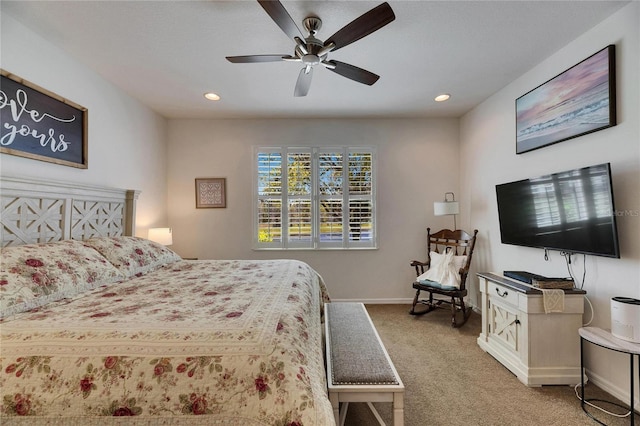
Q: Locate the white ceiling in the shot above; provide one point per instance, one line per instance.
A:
(168, 53)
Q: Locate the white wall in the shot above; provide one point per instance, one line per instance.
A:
(127, 141)
(487, 156)
(417, 163)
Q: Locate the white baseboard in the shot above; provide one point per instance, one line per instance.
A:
(399, 301)
(622, 394)
(377, 301)
(408, 301)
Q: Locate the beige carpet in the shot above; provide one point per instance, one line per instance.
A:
(449, 380)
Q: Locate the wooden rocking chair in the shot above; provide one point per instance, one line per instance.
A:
(442, 242)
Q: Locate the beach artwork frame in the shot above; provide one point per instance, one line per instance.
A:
(578, 101)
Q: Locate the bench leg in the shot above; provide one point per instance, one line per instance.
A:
(340, 411)
(398, 409)
(376, 414)
(343, 413)
(335, 404)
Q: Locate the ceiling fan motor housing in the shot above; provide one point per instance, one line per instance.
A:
(312, 24)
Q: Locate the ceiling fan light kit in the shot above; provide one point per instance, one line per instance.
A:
(311, 51)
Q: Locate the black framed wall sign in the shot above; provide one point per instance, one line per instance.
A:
(38, 124)
(578, 101)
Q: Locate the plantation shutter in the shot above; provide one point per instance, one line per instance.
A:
(299, 199)
(315, 198)
(268, 232)
(330, 198)
(361, 223)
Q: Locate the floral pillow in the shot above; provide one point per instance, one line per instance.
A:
(33, 275)
(133, 255)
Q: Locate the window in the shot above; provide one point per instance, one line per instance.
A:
(313, 198)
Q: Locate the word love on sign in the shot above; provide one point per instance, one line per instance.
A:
(41, 125)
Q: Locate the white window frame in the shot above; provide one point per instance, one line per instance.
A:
(284, 197)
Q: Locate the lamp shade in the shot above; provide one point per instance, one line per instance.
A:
(161, 236)
(443, 208)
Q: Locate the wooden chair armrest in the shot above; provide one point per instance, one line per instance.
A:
(420, 266)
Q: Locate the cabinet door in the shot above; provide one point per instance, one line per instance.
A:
(504, 325)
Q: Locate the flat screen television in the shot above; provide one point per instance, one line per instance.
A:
(570, 211)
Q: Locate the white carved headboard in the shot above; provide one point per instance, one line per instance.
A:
(38, 211)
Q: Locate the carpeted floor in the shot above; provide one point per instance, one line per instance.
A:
(449, 380)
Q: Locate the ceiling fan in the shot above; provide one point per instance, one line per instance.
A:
(310, 51)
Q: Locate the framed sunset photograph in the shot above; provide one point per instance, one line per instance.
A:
(578, 101)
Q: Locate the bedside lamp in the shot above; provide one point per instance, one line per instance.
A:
(447, 207)
(161, 236)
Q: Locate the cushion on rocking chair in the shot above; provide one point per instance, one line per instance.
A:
(444, 272)
(437, 285)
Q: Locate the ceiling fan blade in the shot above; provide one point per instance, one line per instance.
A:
(256, 58)
(353, 72)
(304, 82)
(281, 17)
(360, 27)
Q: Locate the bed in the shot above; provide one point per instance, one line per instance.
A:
(99, 324)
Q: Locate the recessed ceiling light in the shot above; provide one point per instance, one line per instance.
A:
(212, 96)
(442, 98)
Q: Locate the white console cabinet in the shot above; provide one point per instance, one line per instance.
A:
(539, 348)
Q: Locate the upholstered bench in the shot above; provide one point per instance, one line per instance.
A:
(358, 366)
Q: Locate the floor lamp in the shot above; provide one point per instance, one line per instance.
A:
(447, 207)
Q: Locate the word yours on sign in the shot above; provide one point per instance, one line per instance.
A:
(41, 125)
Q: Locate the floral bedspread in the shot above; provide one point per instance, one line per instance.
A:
(194, 342)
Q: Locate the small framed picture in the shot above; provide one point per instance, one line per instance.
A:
(211, 193)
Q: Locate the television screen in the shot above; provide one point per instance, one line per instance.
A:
(571, 211)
